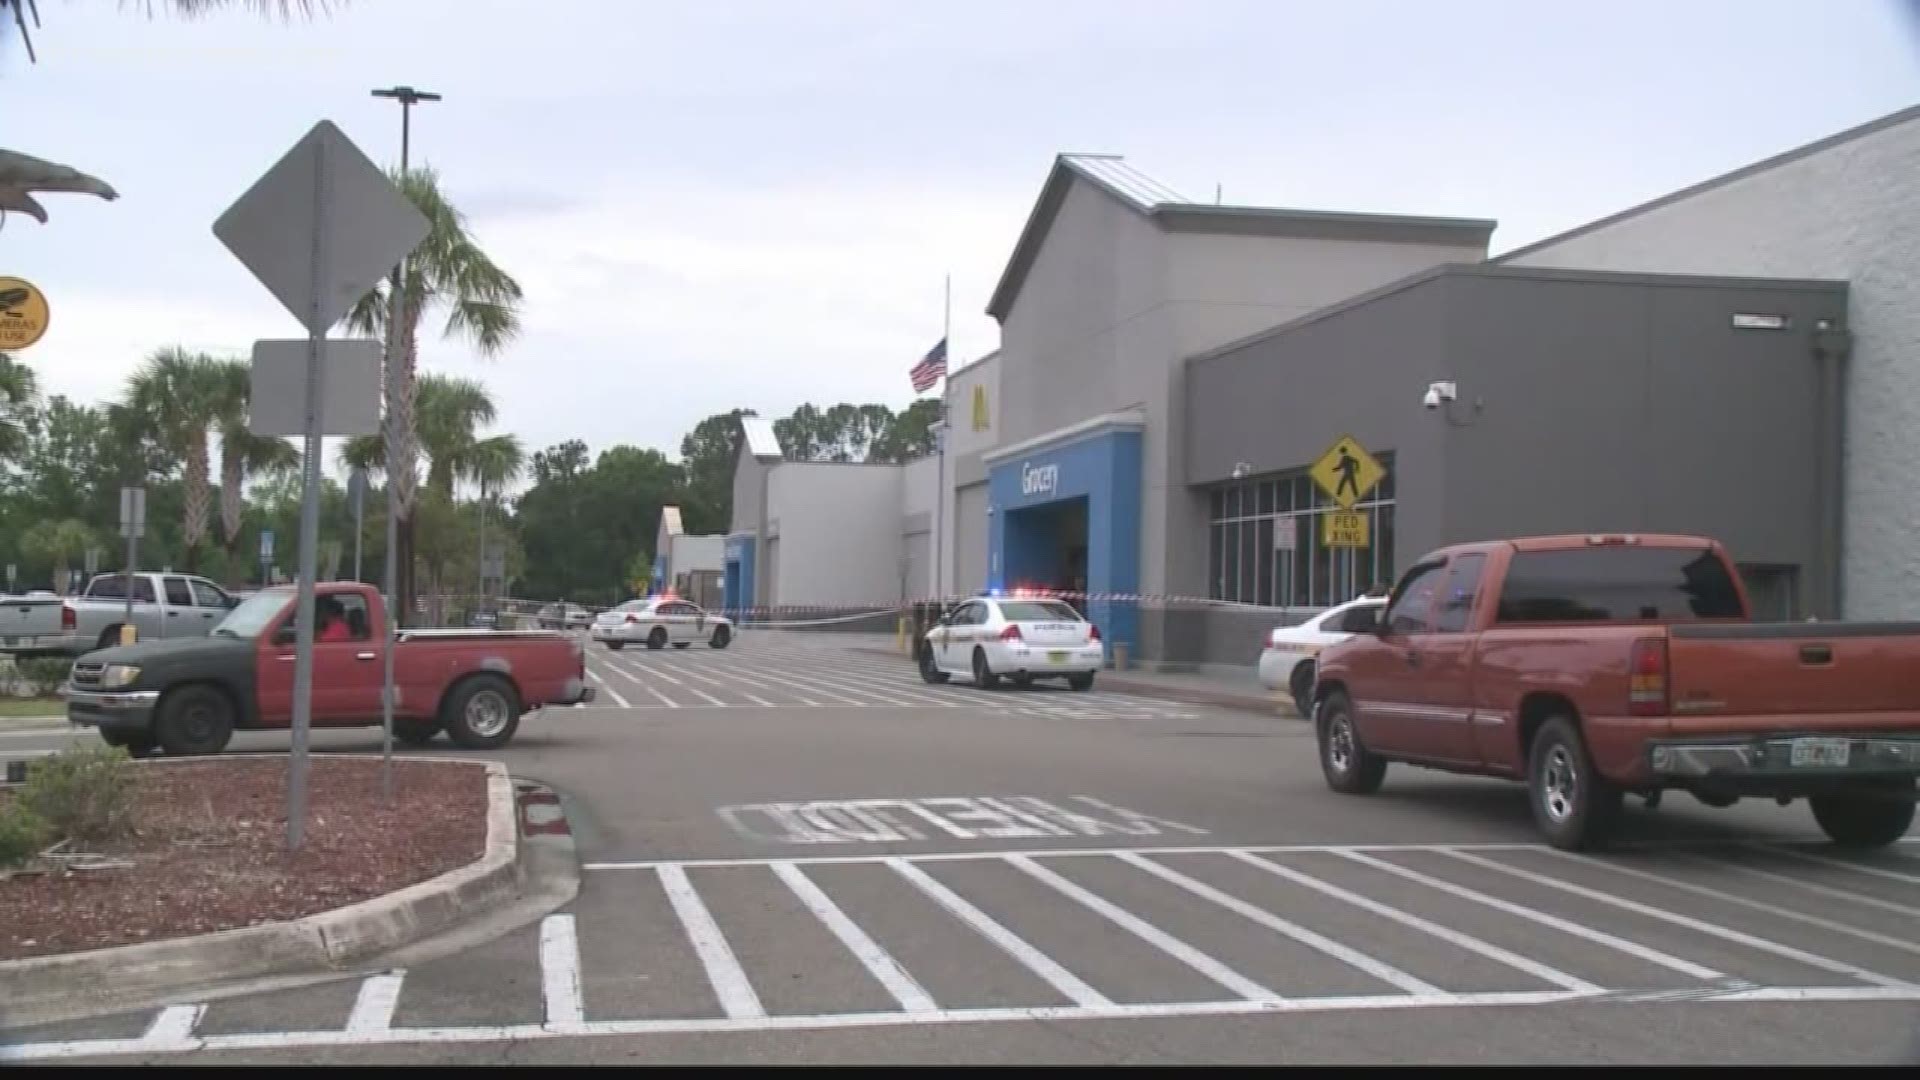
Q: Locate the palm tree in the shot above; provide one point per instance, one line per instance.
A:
(57, 542)
(18, 391)
(448, 270)
(178, 394)
(242, 454)
(14, 13)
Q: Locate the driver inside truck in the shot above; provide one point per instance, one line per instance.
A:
(332, 619)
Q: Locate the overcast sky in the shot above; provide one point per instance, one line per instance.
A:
(753, 204)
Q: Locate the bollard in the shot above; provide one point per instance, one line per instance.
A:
(1119, 656)
(129, 633)
(900, 634)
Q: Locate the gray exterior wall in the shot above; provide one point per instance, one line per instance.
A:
(691, 553)
(1845, 208)
(969, 545)
(1619, 403)
(1111, 305)
(966, 528)
(839, 534)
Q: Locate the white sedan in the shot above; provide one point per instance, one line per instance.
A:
(1287, 663)
(657, 621)
(991, 638)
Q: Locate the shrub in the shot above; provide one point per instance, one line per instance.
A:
(44, 674)
(22, 833)
(83, 793)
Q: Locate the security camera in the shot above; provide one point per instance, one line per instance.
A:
(1432, 400)
(1438, 394)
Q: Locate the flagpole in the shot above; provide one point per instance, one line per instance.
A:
(940, 493)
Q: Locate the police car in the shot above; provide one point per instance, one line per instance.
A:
(1288, 660)
(657, 621)
(989, 638)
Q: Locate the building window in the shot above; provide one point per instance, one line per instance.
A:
(1264, 543)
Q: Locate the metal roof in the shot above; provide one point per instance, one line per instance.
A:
(670, 520)
(760, 442)
(1112, 172)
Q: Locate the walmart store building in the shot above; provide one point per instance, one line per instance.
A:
(1168, 372)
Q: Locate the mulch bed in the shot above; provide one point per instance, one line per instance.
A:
(209, 851)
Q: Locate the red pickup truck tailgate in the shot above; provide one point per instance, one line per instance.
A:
(1798, 676)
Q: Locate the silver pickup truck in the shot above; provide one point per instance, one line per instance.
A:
(164, 606)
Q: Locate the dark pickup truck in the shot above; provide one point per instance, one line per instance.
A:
(1595, 666)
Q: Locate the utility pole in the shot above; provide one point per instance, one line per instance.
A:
(408, 97)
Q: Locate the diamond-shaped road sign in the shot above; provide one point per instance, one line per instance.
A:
(369, 226)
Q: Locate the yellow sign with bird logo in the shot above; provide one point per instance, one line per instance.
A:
(23, 313)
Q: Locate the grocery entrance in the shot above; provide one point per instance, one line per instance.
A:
(1047, 547)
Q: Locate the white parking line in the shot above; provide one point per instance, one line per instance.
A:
(1810, 886)
(1012, 944)
(711, 681)
(879, 963)
(1453, 937)
(560, 970)
(729, 980)
(1760, 944)
(611, 692)
(1598, 937)
(1386, 973)
(1838, 864)
(635, 680)
(1147, 932)
(373, 1006)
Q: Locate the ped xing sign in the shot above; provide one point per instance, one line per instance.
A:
(1344, 529)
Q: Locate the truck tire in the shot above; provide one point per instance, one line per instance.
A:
(194, 721)
(481, 713)
(1300, 685)
(137, 744)
(658, 639)
(1349, 767)
(1864, 820)
(1573, 806)
(416, 732)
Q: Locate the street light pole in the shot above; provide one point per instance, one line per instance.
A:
(408, 97)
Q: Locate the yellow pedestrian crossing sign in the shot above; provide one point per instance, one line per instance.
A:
(1346, 472)
(1344, 529)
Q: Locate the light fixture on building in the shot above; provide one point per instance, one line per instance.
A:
(1241, 469)
(1442, 394)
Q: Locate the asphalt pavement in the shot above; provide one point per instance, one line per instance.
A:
(798, 852)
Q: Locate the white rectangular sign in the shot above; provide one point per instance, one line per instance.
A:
(350, 381)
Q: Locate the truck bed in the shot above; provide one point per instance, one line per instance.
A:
(1801, 676)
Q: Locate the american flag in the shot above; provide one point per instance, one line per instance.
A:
(931, 368)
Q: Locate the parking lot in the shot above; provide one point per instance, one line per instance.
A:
(796, 851)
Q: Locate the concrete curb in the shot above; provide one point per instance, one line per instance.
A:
(51, 989)
(1245, 700)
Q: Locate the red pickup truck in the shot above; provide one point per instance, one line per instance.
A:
(188, 695)
(1596, 666)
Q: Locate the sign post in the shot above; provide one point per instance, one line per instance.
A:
(13, 576)
(317, 229)
(266, 557)
(357, 495)
(1346, 473)
(133, 525)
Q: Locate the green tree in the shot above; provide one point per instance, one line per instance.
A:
(243, 455)
(179, 393)
(448, 271)
(54, 544)
(706, 459)
(909, 435)
(18, 392)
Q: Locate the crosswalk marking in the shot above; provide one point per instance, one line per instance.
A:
(1149, 933)
(1810, 886)
(1386, 973)
(1858, 868)
(703, 941)
(730, 983)
(1598, 937)
(1012, 944)
(1698, 925)
(1453, 937)
(611, 692)
(879, 963)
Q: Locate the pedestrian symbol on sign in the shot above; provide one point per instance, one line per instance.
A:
(1346, 472)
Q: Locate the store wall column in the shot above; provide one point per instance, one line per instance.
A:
(737, 579)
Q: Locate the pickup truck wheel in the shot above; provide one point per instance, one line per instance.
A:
(1348, 766)
(1301, 686)
(481, 713)
(194, 720)
(657, 639)
(137, 745)
(721, 636)
(1865, 820)
(1572, 805)
(415, 732)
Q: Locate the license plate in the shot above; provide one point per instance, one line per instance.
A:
(1057, 657)
(1819, 753)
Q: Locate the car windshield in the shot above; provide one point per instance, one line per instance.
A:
(254, 614)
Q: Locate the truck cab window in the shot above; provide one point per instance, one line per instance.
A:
(1412, 605)
(1456, 602)
(115, 588)
(178, 595)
